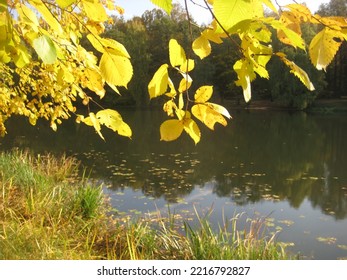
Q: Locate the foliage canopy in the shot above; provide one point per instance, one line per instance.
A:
(45, 69)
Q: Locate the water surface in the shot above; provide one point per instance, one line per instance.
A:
(288, 167)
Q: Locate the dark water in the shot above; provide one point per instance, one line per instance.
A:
(288, 167)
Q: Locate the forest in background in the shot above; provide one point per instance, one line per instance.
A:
(147, 38)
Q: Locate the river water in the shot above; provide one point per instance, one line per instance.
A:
(289, 169)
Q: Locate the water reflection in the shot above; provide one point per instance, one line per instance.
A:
(259, 156)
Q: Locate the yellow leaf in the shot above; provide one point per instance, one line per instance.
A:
(201, 47)
(324, 46)
(47, 15)
(285, 34)
(94, 81)
(270, 5)
(219, 109)
(166, 5)
(116, 70)
(203, 94)
(211, 35)
(95, 10)
(65, 3)
(229, 13)
(245, 74)
(170, 130)
(169, 107)
(107, 45)
(124, 130)
(298, 72)
(180, 101)
(181, 114)
(208, 116)
(301, 12)
(27, 14)
(185, 83)
(192, 129)
(113, 120)
(187, 66)
(176, 53)
(93, 121)
(159, 83)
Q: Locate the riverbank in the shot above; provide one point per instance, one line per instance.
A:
(47, 211)
(318, 106)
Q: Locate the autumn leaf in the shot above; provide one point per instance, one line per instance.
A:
(45, 49)
(324, 47)
(201, 47)
(116, 70)
(159, 83)
(192, 129)
(176, 53)
(208, 115)
(203, 94)
(166, 5)
(170, 130)
(298, 72)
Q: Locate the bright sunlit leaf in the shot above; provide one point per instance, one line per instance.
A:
(208, 116)
(45, 49)
(176, 53)
(159, 83)
(324, 47)
(166, 5)
(203, 94)
(116, 70)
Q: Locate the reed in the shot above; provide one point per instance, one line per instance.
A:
(47, 212)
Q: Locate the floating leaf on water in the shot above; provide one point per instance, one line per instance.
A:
(327, 240)
(343, 247)
(286, 222)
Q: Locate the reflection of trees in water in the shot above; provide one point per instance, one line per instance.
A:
(260, 155)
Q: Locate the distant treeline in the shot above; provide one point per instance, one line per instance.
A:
(146, 38)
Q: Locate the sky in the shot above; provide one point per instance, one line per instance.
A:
(138, 7)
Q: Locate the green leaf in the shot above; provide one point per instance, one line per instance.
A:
(170, 130)
(166, 5)
(176, 53)
(116, 70)
(203, 94)
(159, 83)
(45, 49)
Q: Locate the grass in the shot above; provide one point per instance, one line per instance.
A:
(48, 212)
